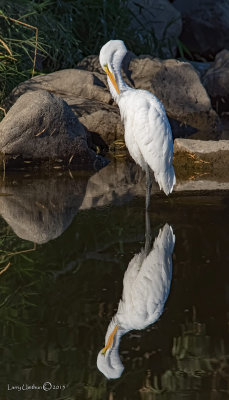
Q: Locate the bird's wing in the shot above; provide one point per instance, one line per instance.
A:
(152, 284)
(152, 131)
(131, 275)
(148, 135)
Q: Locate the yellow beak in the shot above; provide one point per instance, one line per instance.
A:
(112, 78)
(110, 340)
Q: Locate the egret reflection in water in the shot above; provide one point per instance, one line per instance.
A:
(146, 286)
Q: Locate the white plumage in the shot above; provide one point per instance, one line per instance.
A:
(146, 286)
(148, 133)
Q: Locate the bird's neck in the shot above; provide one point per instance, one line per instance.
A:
(121, 85)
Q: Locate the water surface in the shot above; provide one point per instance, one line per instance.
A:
(57, 299)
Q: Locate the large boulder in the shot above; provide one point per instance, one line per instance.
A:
(159, 22)
(87, 95)
(77, 82)
(41, 126)
(178, 86)
(205, 25)
(216, 82)
(175, 83)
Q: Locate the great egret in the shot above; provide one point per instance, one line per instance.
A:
(148, 133)
(146, 286)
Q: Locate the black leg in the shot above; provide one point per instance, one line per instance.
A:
(148, 186)
(147, 234)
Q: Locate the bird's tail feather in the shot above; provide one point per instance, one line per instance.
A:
(167, 238)
(166, 180)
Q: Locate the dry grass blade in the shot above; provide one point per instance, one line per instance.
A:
(36, 38)
(40, 205)
(39, 133)
(119, 155)
(118, 148)
(70, 159)
(2, 108)
(117, 144)
(70, 174)
(54, 130)
(201, 162)
(120, 144)
(6, 47)
(5, 268)
(23, 251)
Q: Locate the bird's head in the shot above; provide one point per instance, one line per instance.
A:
(108, 360)
(110, 58)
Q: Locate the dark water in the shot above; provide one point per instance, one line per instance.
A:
(56, 301)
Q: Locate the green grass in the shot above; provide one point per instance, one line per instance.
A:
(45, 36)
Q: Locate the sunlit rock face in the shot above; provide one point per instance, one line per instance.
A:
(177, 84)
(67, 82)
(41, 126)
(87, 95)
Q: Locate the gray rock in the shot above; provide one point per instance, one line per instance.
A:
(87, 95)
(40, 209)
(90, 63)
(159, 22)
(75, 82)
(98, 117)
(208, 159)
(216, 82)
(40, 126)
(201, 185)
(200, 146)
(178, 86)
(120, 182)
(85, 92)
(205, 25)
(175, 83)
(201, 67)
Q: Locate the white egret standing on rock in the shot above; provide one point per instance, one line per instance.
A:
(148, 133)
(146, 286)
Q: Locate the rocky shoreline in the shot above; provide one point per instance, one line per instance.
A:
(68, 119)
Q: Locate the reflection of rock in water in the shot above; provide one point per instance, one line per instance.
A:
(118, 183)
(41, 209)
